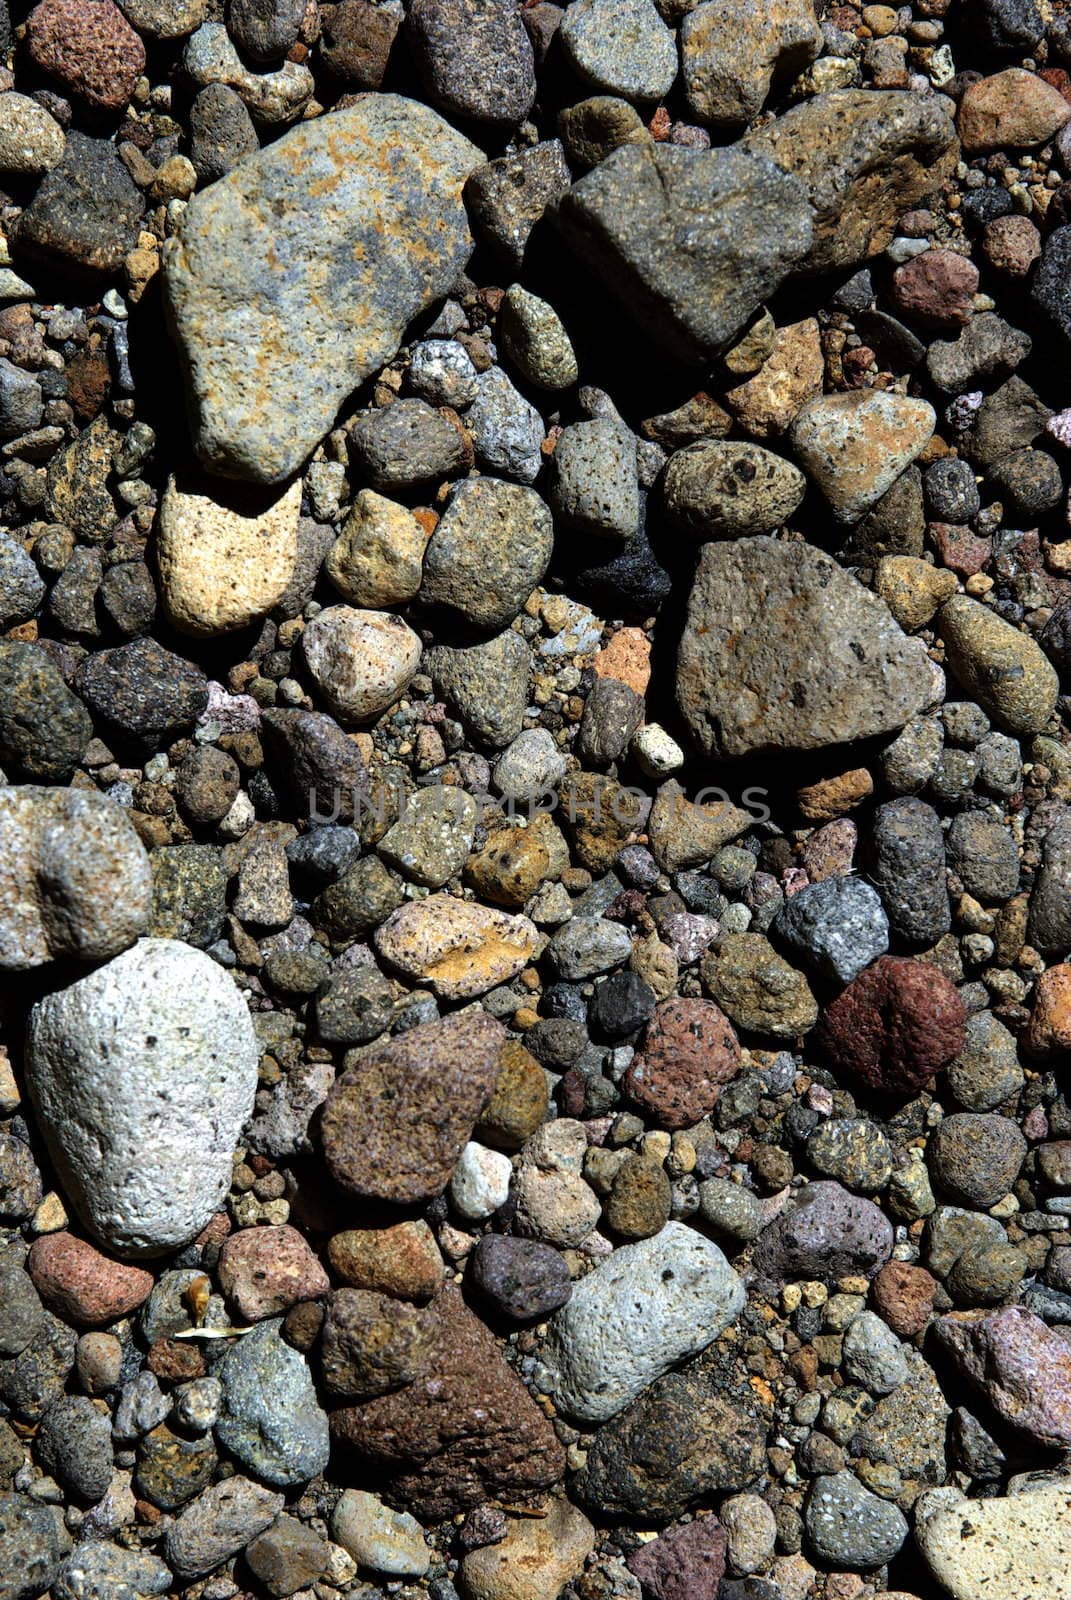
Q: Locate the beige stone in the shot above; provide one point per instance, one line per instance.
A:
(361, 661)
(732, 50)
(31, 141)
(1012, 108)
(854, 446)
(377, 558)
(536, 1559)
(224, 559)
(913, 589)
(457, 947)
(1015, 1548)
(769, 402)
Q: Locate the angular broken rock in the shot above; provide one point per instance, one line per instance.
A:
(856, 445)
(690, 241)
(294, 277)
(395, 1122)
(224, 560)
(865, 157)
(458, 947)
(733, 50)
(466, 1431)
(785, 650)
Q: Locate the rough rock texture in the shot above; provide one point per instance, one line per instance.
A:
(689, 241)
(1021, 1366)
(459, 948)
(855, 446)
(465, 1432)
(224, 562)
(252, 348)
(396, 1120)
(143, 1074)
(895, 1026)
(732, 52)
(784, 650)
(689, 1050)
(1013, 1547)
(825, 1233)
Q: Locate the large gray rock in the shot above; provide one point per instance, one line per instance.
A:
(690, 241)
(219, 1523)
(294, 277)
(143, 1075)
(645, 1308)
(271, 1419)
(785, 650)
(74, 877)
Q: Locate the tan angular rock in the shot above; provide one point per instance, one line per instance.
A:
(537, 1557)
(360, 661)
(999, 666)
(377, 559)
(792, 374)
(457, 947)
(225, 559)
(1016, 1547)
(854, 446)
(733, 50)
(913, 589)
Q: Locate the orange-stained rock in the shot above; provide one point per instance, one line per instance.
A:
(1049, 1031)
(627, 657)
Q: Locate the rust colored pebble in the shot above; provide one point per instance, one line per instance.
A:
(894, 1026)
(83, 1286)
(936, 288)
(175, 1361)
(627, 658)
(402, 1260)
(89, 48)
(1011, 245)
(1049, 1031)
(689, 1052)
(903, 1296)
(265, 1271)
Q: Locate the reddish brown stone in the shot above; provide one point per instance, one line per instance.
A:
(466, 1431)
(684, 1563)
(394, 1124)
(936, 289)
(403, 1260)
(83, 1286)
(89, 47)
(264, 1271)
(689, 1051)
(176, 1361)
(372, 1343)
(959, 549)
(894, 1026)
(1048, 1035)
(357, 40)
(903, 1296)
(1021, 1366)
(1011, 245)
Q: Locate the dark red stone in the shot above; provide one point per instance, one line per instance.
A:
(689, 1052)
(894, 1026)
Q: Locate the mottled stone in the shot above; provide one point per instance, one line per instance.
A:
(459, 948)
(732, 52)
(224, 561)
(1020, 1365)
(824, 1233)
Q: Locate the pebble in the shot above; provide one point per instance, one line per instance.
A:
(265, 33)
(1012, 1547)
(60, 229)
(895, 1025)
(1019, 1364)
(360, 661)
(975, 1157)
(1012, 108)
(757, 989)
(596, 487)
(717, 490)
(838, 927)
(730, 57)
(873, 1356)
(87, 47)
(552, 1202)
(263, 212)
(264, 1271)
(507, 431)
(221, 131)
(377, 559)
(826, 1233)
(31, 141)
(522, 1279)
(489, 551)
(682, 1561)
(778, 599)
(76, 881)
(379, 1539)
(909, 861)
(459, 948)
(397, 1120)
(95, 1570)
(371, 1343)
(224, 564)
(222, 1520)
(400, 1259)
(649, 1305)
(270, 1419)
(142, 690)
(79, 1284)
(534, 1558)
(689, 1051)
(849, 1526)
(164, 1022)
(44, 727)
(854, 446)
(487, 684)
(853, 1151)
(480, 1183)
(442, 373)
(31, 1545)
(509, 196)
(534, 339)
(287, 1556)
(474, 58)
(625, 49)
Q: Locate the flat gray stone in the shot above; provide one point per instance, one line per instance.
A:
(293, 277)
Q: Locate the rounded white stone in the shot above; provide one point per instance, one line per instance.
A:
(480, 1184)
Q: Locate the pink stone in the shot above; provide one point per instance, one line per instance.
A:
(1021, 1367)
(684, 1563)
(265, 1271)
(83, 1286)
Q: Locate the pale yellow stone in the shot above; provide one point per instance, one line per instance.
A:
(913, 589)
(766, 404)
(377, 559)
(225, 558)
(536, 1559)
(1014, 1548)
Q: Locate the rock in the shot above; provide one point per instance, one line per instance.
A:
(509, 196)
(594, 128)
(360, 661)
(397, 1119)
(460, 949)
(407, 239)
(686, 1561)
(474, 58)
(692, 1433)
(622, 48)
(84, 216)
(855, 445)
(22, 1316)
(909, 870)
(32, 1380)
(768, 402)
(852, 1150)
(406, 444)
(372, 1343)
(999, 666)
(442, 373)
(379, 1539)
(596, 488)
(432, 838)
(865, 157)
(402, 1260)
(912, 589)
(121, 1062)
(777, 690)
(1020, 1366)
(221, 132)
(288, 1556)
(731, 55)
(551, 1200)
(518, 1104)
(486, 683)
(31, 141)
(142, 690)
(87, 47)
(850, 1527)
(717, 490)
(31, 1547)
(533, 338)
(224, 562)
(21, 587)
(1011, 1547)
(895, 1026)
(356, 42)
(79, 1284)
(273, 98)
(606, 1346)
(74, 879)
(96, 1571)
(522, 1279)
(480, 1183)
(976, 1157)
(264, 1271)
(936, 289)
(873, 1356)
(537, 1557)
(489, 551)
(265, 32)
(757, 989)
(640, 1199)
(690, 242)
(44, 728)
(507, 432)
(464, 1432)
(377, 559)
(689, 1052)
(270, 1419)
(837, 927)
(824, 1233)
(221, 1521)
(1014, 108)
(74, 1444)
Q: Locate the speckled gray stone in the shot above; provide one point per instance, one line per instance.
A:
(848, 1526)
(837, 926)
(294, 276)
(486, 683)
(270, 1417)
(596, 487)
(489, 550)
(620, 46)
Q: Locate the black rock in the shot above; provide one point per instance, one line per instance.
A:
(621, 1005)
(143, 690)
(951, 491)
(265, 29)
(86, 212)
(1007, 27)
(1051, 288)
